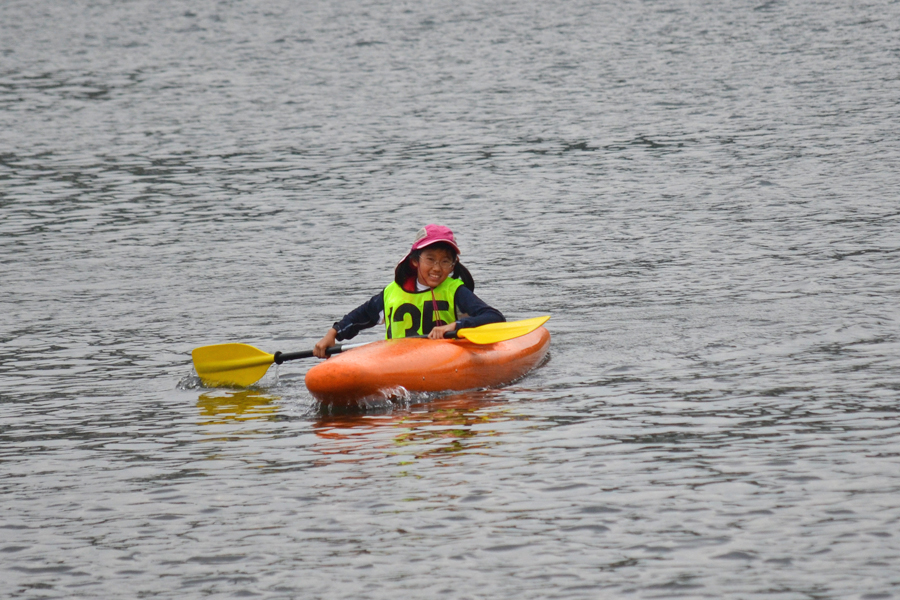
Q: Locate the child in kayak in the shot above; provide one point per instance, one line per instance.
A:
(432, 293)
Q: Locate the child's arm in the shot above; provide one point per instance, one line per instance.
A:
(364, 316)
(477, 312)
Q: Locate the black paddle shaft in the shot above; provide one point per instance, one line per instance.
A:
(281, 357)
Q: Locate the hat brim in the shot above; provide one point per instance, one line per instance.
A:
(425, 245)
(433, 242)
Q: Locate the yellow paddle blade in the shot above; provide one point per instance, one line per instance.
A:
(498, 332)
(231, 364)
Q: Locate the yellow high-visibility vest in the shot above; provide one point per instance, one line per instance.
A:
(412, 313)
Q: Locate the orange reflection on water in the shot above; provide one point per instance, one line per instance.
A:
(442, 426)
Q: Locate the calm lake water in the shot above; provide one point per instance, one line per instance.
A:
(704, 195)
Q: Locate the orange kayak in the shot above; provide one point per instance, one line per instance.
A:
(423, 365)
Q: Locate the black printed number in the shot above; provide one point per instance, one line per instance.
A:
(429, 315)
(413, 312)
(416, 317)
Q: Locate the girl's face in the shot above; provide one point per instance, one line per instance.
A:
(433, 267)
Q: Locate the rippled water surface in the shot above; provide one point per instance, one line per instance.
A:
(704, 195)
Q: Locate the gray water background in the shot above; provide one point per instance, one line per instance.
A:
(704, 195)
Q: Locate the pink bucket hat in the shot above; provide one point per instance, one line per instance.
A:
(432, 234)
(428, 235)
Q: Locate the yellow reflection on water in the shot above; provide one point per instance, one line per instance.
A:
(222, 408)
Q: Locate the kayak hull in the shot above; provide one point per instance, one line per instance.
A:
(423, 365)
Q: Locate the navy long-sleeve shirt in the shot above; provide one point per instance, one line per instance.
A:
(368, 315)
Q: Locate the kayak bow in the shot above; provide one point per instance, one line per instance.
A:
(389, 367)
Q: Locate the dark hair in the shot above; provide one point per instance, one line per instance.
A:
(405, 270)
(415, 254)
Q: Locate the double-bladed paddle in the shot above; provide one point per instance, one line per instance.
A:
(243, 365)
